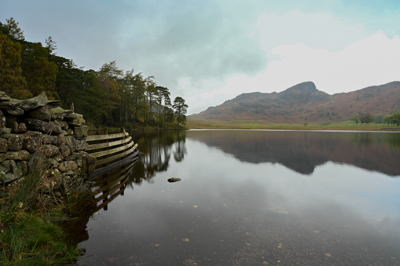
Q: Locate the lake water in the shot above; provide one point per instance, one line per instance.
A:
(253, 197)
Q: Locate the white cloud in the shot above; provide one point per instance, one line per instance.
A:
(319, 30)
(374, 60)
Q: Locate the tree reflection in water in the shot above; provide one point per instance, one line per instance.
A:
(157, 146)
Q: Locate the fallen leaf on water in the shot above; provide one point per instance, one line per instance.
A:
(181, 201)
(279, 246)
(265, 263)
(393, 258)
(162, 190)
(328, 255)
(247, 244)
(224, 204)
(247, 233)
(316, 231)
(186, 239)
(194, 263)
(96, 213)
(195, 206)
(157, 245)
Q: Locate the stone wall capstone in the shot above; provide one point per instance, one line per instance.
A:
(36, 133)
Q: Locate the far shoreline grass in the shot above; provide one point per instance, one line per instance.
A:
(259, 124)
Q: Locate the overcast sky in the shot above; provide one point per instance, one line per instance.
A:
(209, 51)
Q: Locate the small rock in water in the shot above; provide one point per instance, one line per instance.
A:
(174, 179)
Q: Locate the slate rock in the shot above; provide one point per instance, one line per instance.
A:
(9, 177)
(4, 96)
(65, 151)
(70, 140)
(18, 107)
(47, 139)
(50, 150)
(51, 140)
(21, 155)
(64, 125)
(11, 106)
(38, 125)
(5, 132)
(81, 132)
(75, 120)
(60, 140)
(21, 128)
(16, 169)
(88, 163)
(5, 166)
(40, 113)
(55, 129)
(60, 113)
(3, 157)
(3, 145)
(52, 116)
(32, 141)
(16, 127)
(15, 142)
(2, 119)
(53, 103)
(81, 145)
(33, 103)
(67, 165)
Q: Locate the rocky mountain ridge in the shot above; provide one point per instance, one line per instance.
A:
(305, 103)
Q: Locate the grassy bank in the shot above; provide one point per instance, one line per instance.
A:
(31, 239)
(259, 124)
(31, 231)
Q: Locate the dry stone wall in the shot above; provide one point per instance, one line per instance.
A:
(36, 134)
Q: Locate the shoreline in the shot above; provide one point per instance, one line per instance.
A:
(343, 126)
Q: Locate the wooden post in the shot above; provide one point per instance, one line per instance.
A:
(122, 167)
(105, 175)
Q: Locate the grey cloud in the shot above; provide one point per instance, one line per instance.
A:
(197, 41)
(168, 39)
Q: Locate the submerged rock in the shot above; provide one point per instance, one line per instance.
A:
(174, 179)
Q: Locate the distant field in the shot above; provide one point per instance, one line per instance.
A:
(198, 123)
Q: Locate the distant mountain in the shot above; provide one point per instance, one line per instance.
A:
(304, 103)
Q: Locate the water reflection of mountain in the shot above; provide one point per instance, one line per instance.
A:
(303, 151)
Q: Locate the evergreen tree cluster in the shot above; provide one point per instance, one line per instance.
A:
(109, 96)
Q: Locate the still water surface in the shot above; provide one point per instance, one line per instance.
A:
(253, 198)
